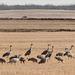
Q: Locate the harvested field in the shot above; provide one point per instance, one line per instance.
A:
(21, 33)
(37, 13)
(21, 42)
(36, 25)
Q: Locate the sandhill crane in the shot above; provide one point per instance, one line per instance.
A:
(29, 51)
(15, 56)
(14, 60)
(43, 60)
(61, 53)
(2, 60)
(8, 53)
(50, 53)
(23, 59)
(69, 51)
(70, 55)
(46, 51)
(59, 58)
(40, 56)
(33, 59)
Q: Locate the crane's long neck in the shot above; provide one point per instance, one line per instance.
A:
(31, 47)
(52, 49)
(71, 48)
(48, 48)
(10, 49)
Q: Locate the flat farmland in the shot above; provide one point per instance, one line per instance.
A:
(21, 41)
(37, 24)
(37, 13)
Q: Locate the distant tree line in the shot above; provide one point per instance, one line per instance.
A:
(32, 6)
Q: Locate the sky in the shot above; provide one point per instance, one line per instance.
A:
(38, 2)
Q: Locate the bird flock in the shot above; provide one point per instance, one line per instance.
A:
(43, 57)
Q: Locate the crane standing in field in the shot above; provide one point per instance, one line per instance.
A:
(15, 56)
(61, 53)
(44, 60)
(59, 58)
(22, 59)
(46, 51)
(40, 56)
(29, 51)
(70, 55)
(14, 60)
(33, 59)
(8, 53)
(69, 51)
(2, 60)
(50, 53)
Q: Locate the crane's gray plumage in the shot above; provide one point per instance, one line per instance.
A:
(50, 53)
(40, 56)
(2, 60)
(23, 59)
(46, 51)
(69, 51)
(8, 53)
(61, 53)
(44, 60)
(14, 60)
(59, 58)
(70, 55)
(33, 59)
(29, 51)
(15, 56)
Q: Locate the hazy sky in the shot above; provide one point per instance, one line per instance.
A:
(40, 2)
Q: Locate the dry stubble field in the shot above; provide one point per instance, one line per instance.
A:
(21, 42)
(37, 24)
(37, 13)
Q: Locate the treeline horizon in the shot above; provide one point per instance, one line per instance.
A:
(33, 6)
